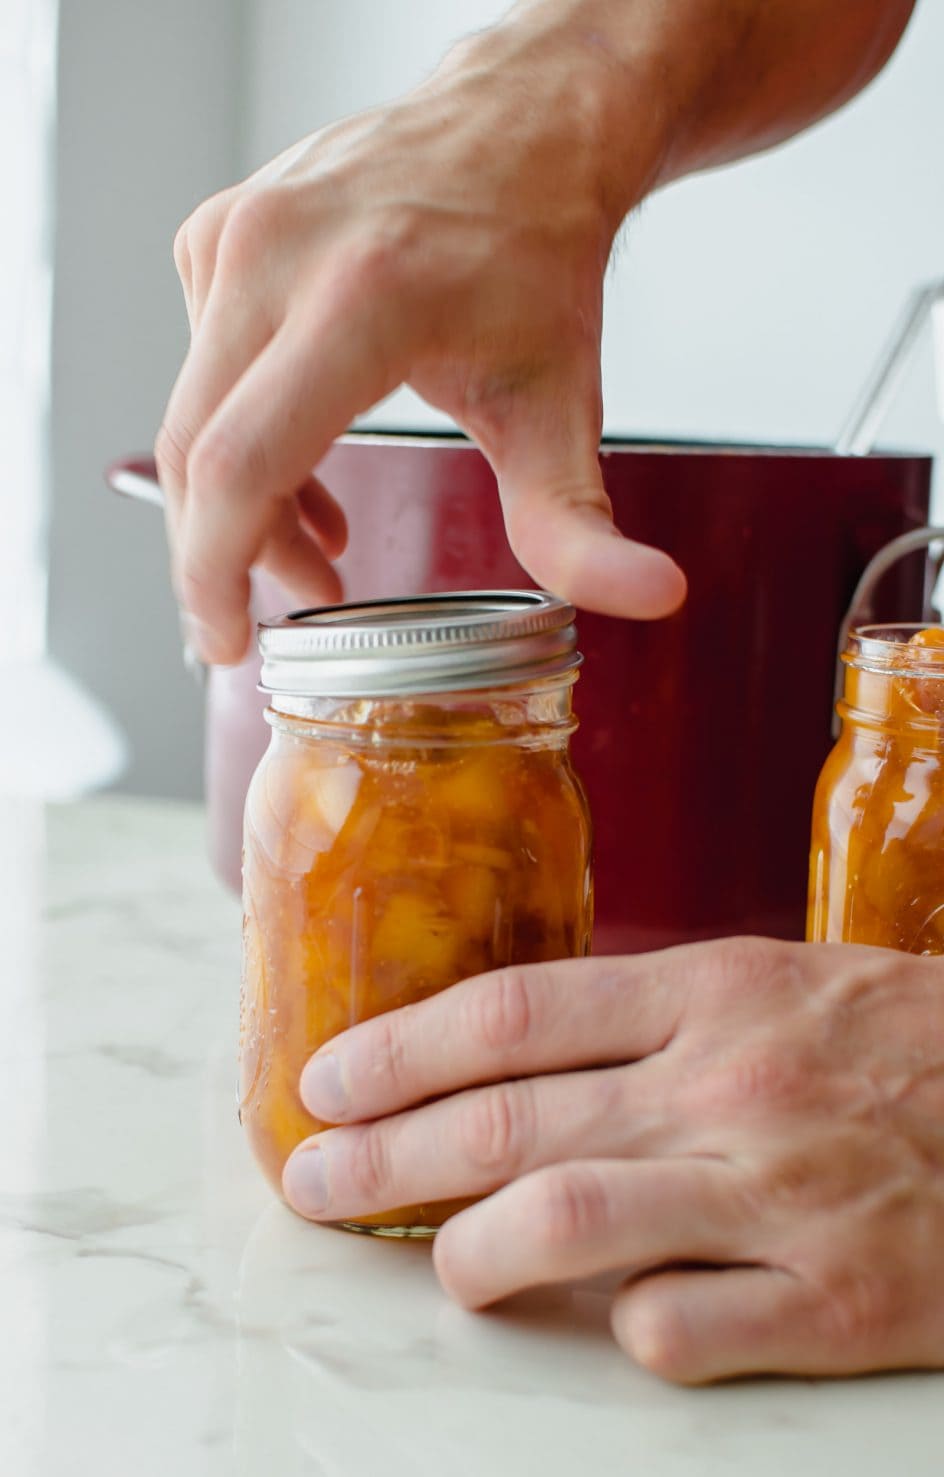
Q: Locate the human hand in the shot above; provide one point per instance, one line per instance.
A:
(455, 240)
(752, 1132)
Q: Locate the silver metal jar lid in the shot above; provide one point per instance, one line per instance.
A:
(425, 643)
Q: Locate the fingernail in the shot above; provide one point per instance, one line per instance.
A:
(304, 1181)
(322, 1090)
(204, 642)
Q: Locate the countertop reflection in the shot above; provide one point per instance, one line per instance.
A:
(162, 1314)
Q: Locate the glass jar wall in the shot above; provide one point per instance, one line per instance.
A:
(877, 855)
(394, 845)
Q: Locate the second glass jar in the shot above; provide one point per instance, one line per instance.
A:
(416, 820)
(877, 856)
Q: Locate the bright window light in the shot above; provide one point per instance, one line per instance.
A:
(27, 94)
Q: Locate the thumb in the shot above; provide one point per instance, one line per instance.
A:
(558, 516)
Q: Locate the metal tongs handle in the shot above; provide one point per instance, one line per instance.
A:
(857, 436)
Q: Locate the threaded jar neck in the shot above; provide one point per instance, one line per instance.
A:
(536, 715)
(895, 680)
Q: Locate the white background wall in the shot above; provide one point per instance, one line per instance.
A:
(749, 303)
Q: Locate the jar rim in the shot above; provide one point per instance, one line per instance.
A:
(417, 644)
(887, 648)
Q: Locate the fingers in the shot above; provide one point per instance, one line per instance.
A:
(195, 251)
(532, 1019)
(230, 338)
(692, 1327)
(323, 516)
(472, 1142)
(577, 1220)
(558, 515)
(259, 445)
(302, 534)
(294, 556)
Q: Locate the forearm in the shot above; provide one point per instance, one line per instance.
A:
(698, 83)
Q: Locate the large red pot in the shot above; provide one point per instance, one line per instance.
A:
(701, 736)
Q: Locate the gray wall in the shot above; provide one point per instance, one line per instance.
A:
(749, 303)
(147, 125)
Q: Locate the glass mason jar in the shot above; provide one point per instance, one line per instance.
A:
(415, 820)
(877, 856)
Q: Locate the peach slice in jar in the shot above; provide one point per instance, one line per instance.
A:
(297, 806)
(924, 692)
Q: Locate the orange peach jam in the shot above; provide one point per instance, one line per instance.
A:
(395, 845)
(877, 857)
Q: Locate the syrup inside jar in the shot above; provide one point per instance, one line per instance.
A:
(877, 854)
(394, 845)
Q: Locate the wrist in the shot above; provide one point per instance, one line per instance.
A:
(684, 85)
(622, 69)
(593, 83)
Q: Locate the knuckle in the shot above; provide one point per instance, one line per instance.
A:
(570, 1204)
(170, 454)
(196, 240)
(766, 1076)
(741, 965)
(369, 1163)
(223, 458)
(500, 1013)
(737, 972)
(247, 234)
(495, 1127)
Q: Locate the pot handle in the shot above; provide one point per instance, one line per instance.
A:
(136, 477)
(860, 611)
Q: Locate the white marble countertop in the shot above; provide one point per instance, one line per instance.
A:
(161, 1314)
